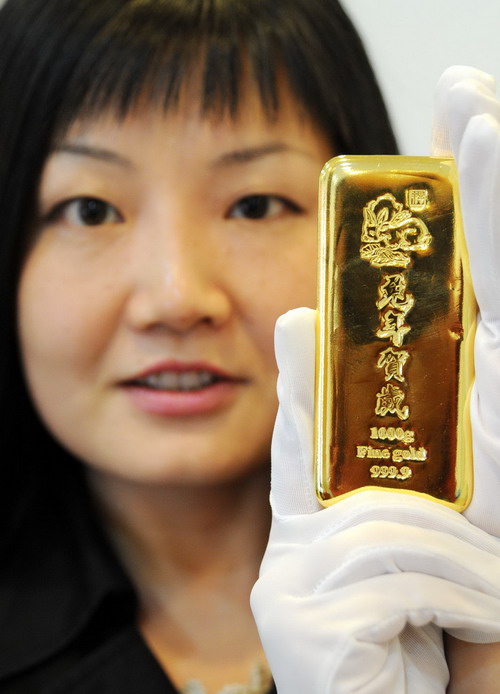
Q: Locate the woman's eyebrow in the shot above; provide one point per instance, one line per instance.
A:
(93, 152)
(249, 154)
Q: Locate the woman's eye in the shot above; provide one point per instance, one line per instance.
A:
(262, 206)
(85, 212)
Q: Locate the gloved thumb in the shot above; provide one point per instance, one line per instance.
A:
(461, 92)
(292, 488)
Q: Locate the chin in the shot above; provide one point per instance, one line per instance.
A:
(181, 470)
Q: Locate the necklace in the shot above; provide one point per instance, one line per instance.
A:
(259, 682)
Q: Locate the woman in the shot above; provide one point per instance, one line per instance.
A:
(158, 188)
(159, 167)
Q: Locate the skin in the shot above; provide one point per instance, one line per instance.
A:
(473, 666)
(174, 272)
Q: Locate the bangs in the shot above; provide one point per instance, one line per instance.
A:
(151, 52)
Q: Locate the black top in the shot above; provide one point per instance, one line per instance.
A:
(67, 608)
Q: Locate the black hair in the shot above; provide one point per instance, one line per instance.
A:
(62, 58)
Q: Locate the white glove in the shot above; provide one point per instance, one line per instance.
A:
(351, 598)
(467, 123)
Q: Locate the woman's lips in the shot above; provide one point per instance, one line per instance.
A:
(179, 389)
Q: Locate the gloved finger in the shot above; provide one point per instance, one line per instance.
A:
(382, 547)
(479, 170)
(467, 99)
(379, 547)
(411, 663)
(483, 509)
(292, 488)
(348, 635)
(451, 115)
(412, 598)
(375, 506)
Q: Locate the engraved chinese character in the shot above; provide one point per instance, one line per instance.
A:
(393, 287)
(392, 291)
(393, 326)
(417, 199)
(393, 362)
(390, 401)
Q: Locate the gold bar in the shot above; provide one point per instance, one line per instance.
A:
(395, 331)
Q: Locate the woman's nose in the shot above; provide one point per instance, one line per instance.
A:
(175, 283)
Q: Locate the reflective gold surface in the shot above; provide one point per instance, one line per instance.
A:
(396, 323)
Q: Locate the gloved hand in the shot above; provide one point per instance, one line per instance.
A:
(351, 598)
(467, 125)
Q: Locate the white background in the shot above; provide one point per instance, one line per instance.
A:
(410, 42)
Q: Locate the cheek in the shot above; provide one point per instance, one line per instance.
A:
(280, 277)
(272, 281)
(58, 315)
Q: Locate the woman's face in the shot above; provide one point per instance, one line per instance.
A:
(166, 248)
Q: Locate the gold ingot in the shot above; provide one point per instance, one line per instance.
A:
(396, 320)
